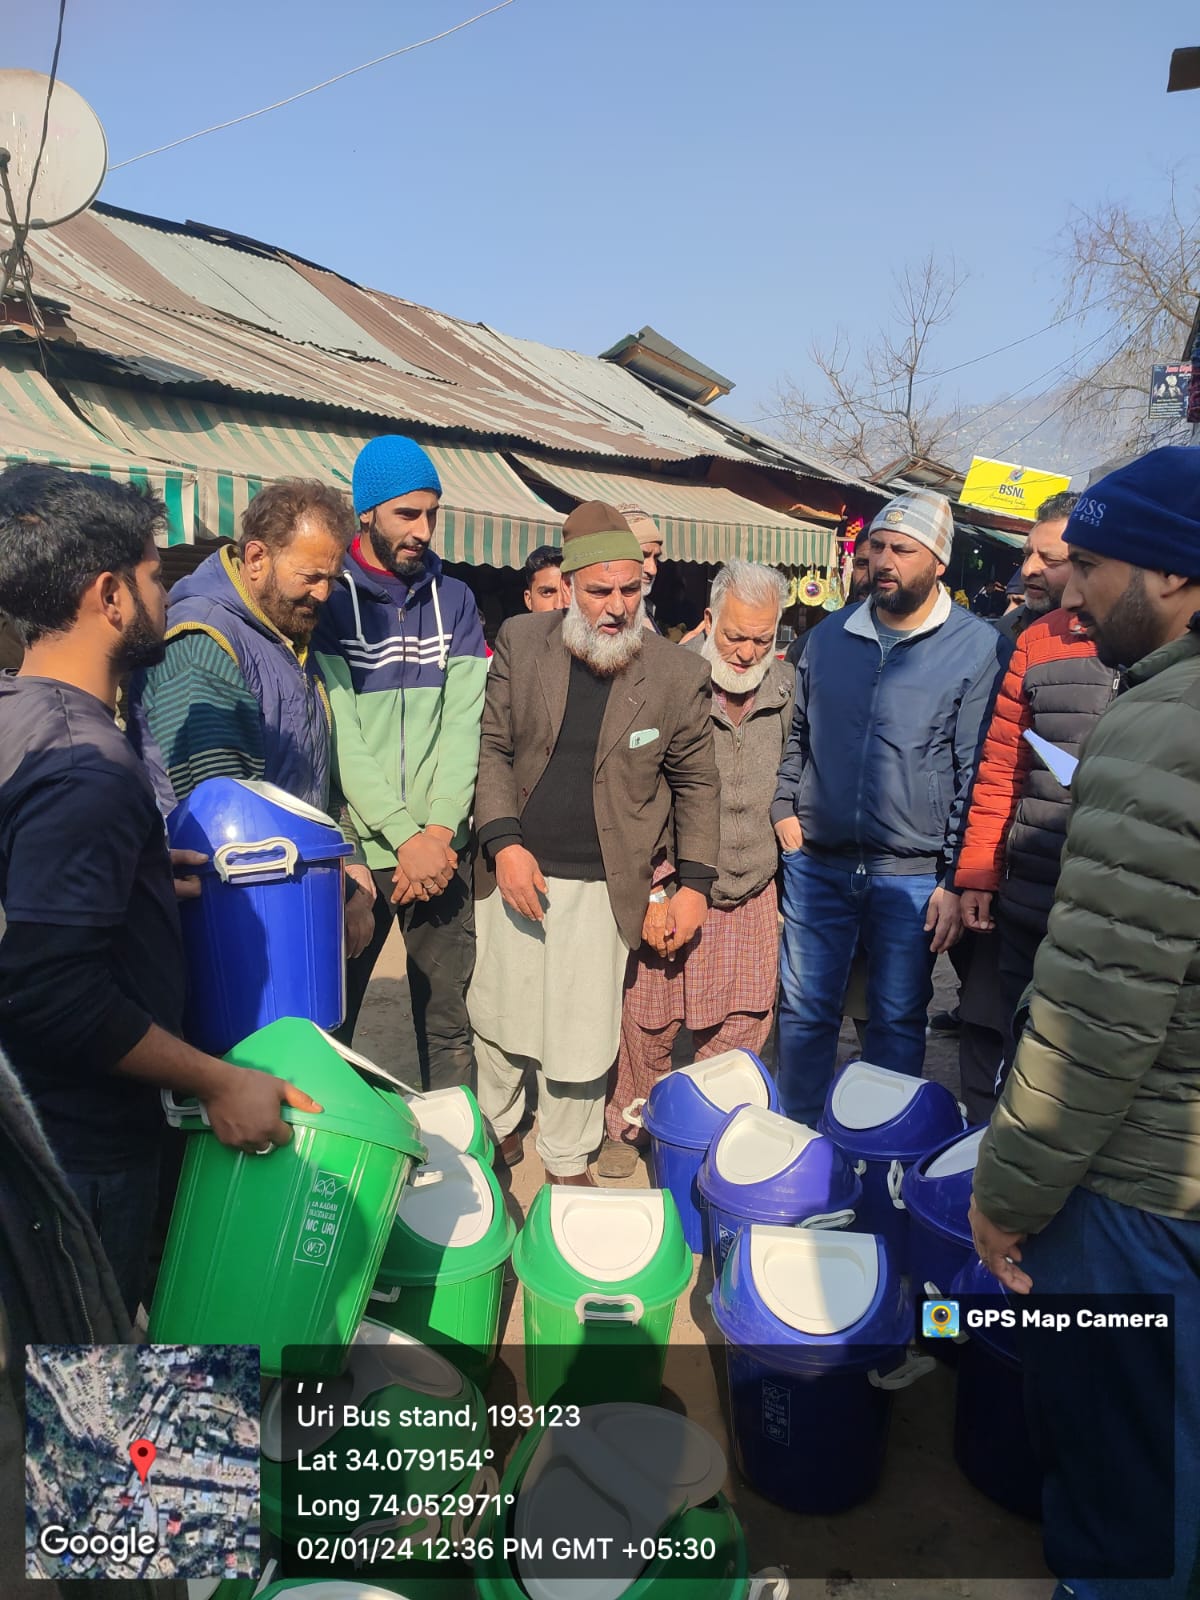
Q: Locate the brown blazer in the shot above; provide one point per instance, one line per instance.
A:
(663, 693)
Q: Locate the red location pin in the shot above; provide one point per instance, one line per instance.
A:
(142, 1453)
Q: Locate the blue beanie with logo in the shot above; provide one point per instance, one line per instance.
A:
(1146, 513)
(388, 467)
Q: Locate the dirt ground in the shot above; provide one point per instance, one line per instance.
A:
(925, 1520)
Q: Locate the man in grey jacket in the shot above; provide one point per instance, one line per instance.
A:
(723, 985)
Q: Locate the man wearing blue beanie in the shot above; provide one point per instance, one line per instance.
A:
(402, 654)
(1088, 1180)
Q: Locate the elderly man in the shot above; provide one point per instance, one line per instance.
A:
(595, 734)
(645, 530)
(891, 699)
(723, 986)
(238, 694)
(1088, 1179)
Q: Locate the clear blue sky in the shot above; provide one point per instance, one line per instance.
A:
(742, 175)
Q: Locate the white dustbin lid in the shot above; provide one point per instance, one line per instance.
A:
(817, 1283)
(728, 1080)
(607, 1234)
(445, 1116)
(450, 1203)
(867, 1096)
(377, 1358)
(288, 802)
(759, 1144)
(961, 1157)
(624, 1472)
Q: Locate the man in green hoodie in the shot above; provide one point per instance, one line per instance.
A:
(402, 653)
(1088, 1181)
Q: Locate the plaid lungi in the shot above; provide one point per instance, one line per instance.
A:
(731, 966)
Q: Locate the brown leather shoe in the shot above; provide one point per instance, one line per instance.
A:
(618, 1158)
(510, 1150)
(581, 1180)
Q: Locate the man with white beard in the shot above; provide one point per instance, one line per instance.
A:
(723, 986)
(597, 747)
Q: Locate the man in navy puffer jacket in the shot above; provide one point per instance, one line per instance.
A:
(892, 700)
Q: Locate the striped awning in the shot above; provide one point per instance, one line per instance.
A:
(36, 425)
(698, 521)
(489, 516)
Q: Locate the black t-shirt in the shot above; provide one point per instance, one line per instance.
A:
(92, 953)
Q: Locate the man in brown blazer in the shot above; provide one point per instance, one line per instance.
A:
(596, 754)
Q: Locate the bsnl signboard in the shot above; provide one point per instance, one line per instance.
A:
(1012, 490)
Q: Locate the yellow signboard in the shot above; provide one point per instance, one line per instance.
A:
(1011, 490)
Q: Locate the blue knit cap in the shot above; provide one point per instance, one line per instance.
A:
(1146, 513)
(388, 467)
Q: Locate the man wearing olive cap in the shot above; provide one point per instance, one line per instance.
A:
(596, 749)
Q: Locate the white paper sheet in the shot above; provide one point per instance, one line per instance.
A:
(1059, 762)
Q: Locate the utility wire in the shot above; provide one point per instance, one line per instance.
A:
(33, 176)
(291, 98)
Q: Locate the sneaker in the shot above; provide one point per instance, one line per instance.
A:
(618, 1159)
(947, 1022)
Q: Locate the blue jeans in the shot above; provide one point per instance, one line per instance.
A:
(1105, 1430)
(826, 911)
(121, 1206)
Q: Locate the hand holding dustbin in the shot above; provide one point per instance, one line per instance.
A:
(243, 1107)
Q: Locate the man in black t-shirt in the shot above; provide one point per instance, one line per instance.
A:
(91, 962)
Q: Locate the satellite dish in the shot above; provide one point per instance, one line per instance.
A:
(74, 158)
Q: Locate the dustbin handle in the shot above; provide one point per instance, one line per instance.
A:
(633, 1112)
(484, 1486)
(268, 1576)
(829, 1219)
(894, 1179)
(913, 1367)
(424, 1176)
(376, 1071)
(771, 1581)
(859, 1168)
(386, 1297)
(227, 868)
(634, 1311)
(176, 1114)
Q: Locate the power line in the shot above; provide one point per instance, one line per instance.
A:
(58, 38)
(300, 95)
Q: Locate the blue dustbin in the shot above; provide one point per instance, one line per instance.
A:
(763, 1167)
(887, 1120)
(266, 938)
(816, 1328)
(683, 1111)
(937, 1196)
(991, 1436)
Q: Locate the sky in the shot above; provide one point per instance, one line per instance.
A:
(744, 176)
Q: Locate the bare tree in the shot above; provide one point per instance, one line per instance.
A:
(1140, 276)
(873, 406)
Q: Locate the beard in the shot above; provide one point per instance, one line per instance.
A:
(729, 678)
(1130, 631)
(1040, 602)
(604, 654)
(295, 619)
(142, 644)
(906, 598)
(404, 566)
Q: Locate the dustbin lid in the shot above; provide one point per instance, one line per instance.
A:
(296, 1050)
(330, 1589)
(688, 1105)
(448, 1117)
(379, 1361)
(221, 813)
(818, 1283)
(577, 1239)
(937, 1189)
(883, 1115)
(765, 1166)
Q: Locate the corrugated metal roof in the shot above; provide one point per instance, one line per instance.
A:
(698, 521)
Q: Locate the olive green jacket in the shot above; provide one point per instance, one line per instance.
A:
(1105, 1089)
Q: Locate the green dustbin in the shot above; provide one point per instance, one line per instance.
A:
(601, 1270)
(386, 1374)
(442, 1275)
(283, 1249)
(712, 1567)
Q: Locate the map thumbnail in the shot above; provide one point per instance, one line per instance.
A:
(141, 1461)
